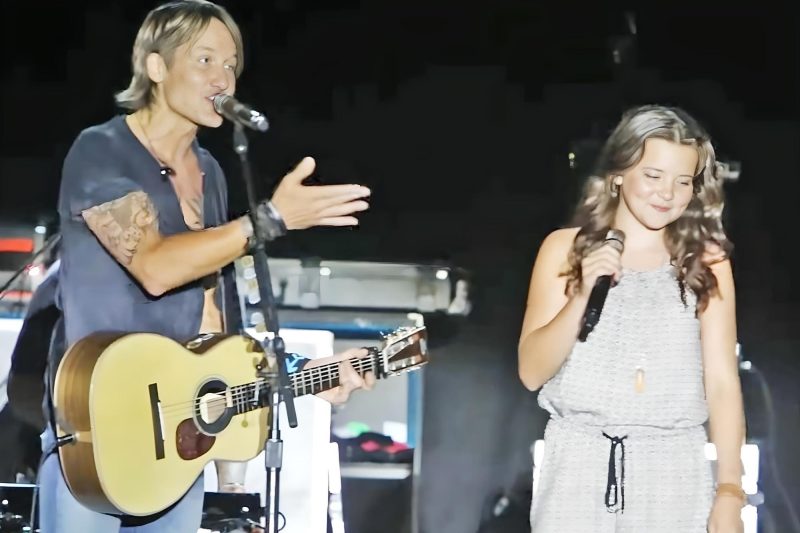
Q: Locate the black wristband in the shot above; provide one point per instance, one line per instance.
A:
(267, 224)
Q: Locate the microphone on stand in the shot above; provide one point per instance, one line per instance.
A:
(235, 111)
(597, 298)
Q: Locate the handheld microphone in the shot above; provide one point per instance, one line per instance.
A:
(235, 111)
(597, 298)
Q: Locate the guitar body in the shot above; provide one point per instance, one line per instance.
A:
(147, 414)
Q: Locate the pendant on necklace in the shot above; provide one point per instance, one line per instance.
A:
(639, 382)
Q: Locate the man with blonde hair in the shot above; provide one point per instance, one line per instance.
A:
(145, 230)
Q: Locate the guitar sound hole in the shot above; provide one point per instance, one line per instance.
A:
(214, 407)
(190, 442)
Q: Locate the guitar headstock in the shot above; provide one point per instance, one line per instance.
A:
(404, 349)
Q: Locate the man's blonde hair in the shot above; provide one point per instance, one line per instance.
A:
(163, 31)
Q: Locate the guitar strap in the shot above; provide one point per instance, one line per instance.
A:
(233, 315)
(55, 354)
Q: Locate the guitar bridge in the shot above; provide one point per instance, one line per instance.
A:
(158, 420)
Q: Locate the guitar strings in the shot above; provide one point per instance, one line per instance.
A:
(243, 397)
(318, 376)
(325, 370)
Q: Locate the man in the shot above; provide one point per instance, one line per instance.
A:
(144, 221)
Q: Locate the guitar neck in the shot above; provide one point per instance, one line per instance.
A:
(321, 378)
(246, 397)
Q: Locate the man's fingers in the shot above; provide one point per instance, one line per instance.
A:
(351, 353)
(338, 221)
(334, 194)
(340, 210)
(349, 378)
(301, 171)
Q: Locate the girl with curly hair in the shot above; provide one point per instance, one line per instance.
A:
(624, 446)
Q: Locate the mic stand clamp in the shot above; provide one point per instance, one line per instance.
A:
(280, 390)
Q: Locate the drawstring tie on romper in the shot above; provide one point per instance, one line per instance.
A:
(615, 488)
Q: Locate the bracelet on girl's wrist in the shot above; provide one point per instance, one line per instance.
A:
(732, 489)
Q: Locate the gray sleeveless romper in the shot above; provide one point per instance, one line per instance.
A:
(618, 460)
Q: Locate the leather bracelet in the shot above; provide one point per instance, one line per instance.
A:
(732, 489)
(267, 223)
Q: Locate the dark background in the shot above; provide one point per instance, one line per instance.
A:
(460, 117)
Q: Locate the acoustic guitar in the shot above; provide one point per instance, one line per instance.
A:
(142, 415)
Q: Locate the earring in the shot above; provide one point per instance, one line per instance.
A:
(614, 187)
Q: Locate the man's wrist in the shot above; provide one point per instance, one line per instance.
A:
(267, 222)
(246, 225)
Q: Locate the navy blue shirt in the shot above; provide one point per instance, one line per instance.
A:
(96, 293)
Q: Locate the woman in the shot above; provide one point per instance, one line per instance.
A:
(624, 447)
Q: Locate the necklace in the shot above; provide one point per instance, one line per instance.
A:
(639, 381)
(165, 170)
(644, 349)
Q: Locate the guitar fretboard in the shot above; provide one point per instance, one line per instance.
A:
(249, 396)
(325, 377)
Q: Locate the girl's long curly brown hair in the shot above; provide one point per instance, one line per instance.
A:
(689, 238)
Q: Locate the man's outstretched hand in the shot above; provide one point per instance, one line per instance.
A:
(303, 206)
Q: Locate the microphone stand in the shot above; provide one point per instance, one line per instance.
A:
(282, 390)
